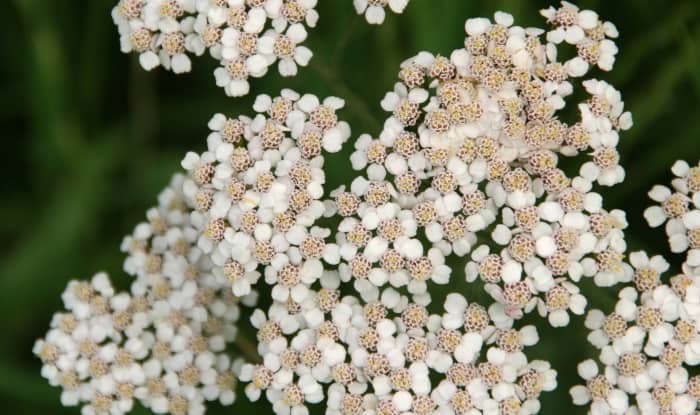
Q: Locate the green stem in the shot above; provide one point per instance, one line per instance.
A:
(247, 348)
(355, 103)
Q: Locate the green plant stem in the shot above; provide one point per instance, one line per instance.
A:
(247, 348)
(355, 103)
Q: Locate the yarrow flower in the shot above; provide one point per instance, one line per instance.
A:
(162, 343)
(374, 10)
(472, 146)
(678, 209)
(378, 356)
(465, 171)
(246, 37)
(246, 209)
(646, 347)
(652, 338)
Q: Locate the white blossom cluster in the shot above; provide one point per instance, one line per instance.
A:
(679, 209)
(257, 193)
(472, 147)
(466, 170)
(651, 338)
(378, 358)
(646, 346)
(247, 37)
(162, 343)
(374, 10)
(245, 209)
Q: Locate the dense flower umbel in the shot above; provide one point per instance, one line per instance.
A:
(247, 37)
(257, 190)
(472, 148)
(652, 337)
(646, 345)
(378, 357)
(246, 209)
(163, 342)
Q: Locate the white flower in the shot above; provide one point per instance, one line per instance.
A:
(284, 47)
(374, 9)
(164, 32)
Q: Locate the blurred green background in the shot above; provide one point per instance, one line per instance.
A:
(89, 139)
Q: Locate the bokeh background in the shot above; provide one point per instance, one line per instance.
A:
(89, 138)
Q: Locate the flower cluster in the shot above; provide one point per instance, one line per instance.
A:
(653, 335)
(163, 342)
(379, 356)
(646, 345)
(472, 146)
(257, 190)
(678, 209)
(245, 36)
(246, 208)
(374, 10)
(583, 29)
(465, 171)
